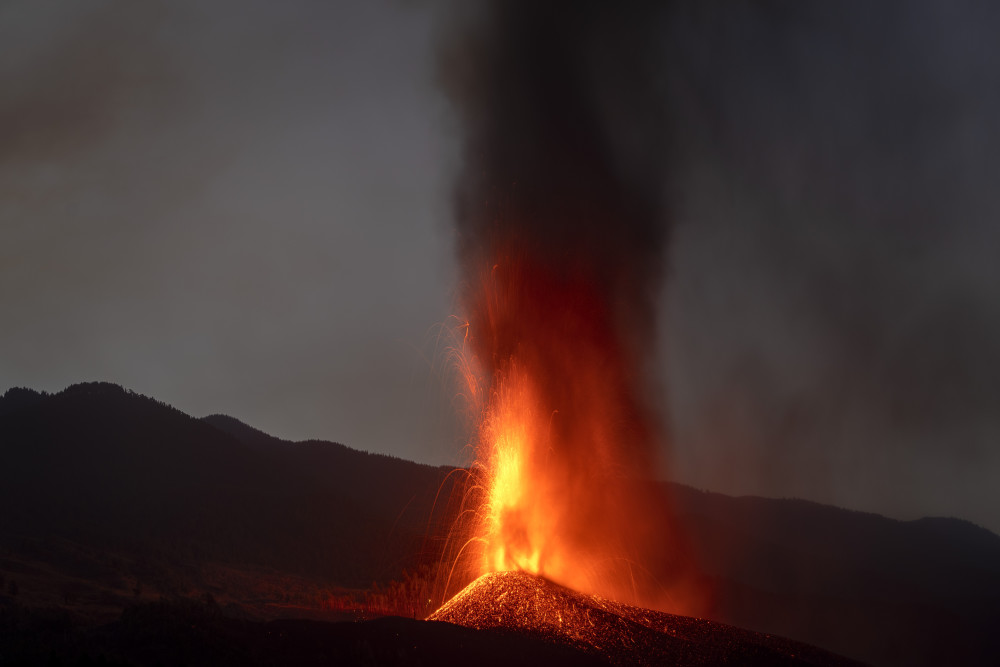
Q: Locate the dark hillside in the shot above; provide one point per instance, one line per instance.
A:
(387, 486)
(96, 463)
(197, 633)
(893, 592)
(19, 398)
(248, 435)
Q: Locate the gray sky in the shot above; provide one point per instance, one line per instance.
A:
(833, 316)
(243, 207)
(233, 207)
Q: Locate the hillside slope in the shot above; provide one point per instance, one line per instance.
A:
(101, 465)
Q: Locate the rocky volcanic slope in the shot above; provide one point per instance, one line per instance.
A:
(616, 632)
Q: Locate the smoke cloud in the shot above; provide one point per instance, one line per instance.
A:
(564, 148)
(833, 318)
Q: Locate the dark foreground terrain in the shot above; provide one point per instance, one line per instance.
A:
(501, 619)
(197, 633)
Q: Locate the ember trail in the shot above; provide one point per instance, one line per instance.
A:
(559, 433)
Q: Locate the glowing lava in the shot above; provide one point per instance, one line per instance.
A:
(565, 445)
(615, 633)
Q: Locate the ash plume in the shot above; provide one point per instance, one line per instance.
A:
(562, 228)
(561, 113)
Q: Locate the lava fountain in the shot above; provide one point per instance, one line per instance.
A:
(561, 221)
(565, 446)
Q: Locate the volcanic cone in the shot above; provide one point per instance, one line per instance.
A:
(619, 633)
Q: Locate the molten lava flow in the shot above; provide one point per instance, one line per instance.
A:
(565, 445)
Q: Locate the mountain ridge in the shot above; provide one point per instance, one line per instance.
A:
(104, 489)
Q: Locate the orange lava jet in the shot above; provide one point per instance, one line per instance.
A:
(565, 445)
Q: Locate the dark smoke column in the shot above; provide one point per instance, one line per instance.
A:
(563, 140)
(561, 234)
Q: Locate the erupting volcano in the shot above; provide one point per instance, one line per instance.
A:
(561, 234)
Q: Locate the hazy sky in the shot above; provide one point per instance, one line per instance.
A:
(243, 207)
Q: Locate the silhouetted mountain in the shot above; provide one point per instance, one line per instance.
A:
(18, 398)
(97, 463)
(106, 491)
(385, 484)
(246, 434)
(885, 591)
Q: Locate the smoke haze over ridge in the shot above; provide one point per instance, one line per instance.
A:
(833, 319)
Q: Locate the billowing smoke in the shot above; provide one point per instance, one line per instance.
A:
(563, 144)
(562, 227)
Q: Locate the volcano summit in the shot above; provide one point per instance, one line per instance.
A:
(616, 632)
